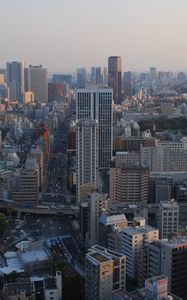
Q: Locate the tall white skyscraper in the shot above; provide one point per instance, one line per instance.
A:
(93, 143)
(96, 103)
(37, 83)
(15, 79)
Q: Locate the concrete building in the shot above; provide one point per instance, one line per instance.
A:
(81, 77)
(52, 289)
(98, 76)
(128, 184)
(127, 158)
(169, 257)
(165, 156)
(27, 189)
(155, 288)
(101, 265)
(28, 97)
(96, 103)
(37, 83)
(15, 79)
(97, 204)
(115, 77)
(86, 157)
(133, 242)
(106, 223)
(19, 291)
(168, 218)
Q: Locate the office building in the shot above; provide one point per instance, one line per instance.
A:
(96, 104)
(15, 79)
(55, 91)
(114, 77)
(106, 223)
(87, 157)
(169, 258)
(98, 76)
(155, 288)
(27, 188)
(37, 83)
(168, 218)
(133, 242)
(105, 272)
(81, 77)
(128, 80)
(98, 203)
(128, 184)
(28, 97)
(165, 156)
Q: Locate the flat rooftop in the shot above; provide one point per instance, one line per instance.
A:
(99, 257)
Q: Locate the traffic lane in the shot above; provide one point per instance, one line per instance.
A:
(47, 226)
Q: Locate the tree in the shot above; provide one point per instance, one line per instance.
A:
(3, 223)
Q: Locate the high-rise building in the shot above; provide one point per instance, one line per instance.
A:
(81, 77)
(96, 104)
(106, 223)
(169, 258)
(165, 156)
(168, 218)
(37, 83)
(133, 241)
(153, 75)
(87, 157)
(15, 79)
(27, 189)
(105, 272)
(128, 184)
(97, 204)
(114, 77)
(98, 76)
(128, 79)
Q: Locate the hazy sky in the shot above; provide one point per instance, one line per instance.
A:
(65, 34)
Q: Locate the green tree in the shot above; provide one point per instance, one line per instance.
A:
(3, 223)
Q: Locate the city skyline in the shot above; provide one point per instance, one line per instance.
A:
(64, 35)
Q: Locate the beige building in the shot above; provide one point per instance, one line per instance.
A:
(106, 223)
(133, 241)
(165, 156)
(101, 265)
(28, 97)
(128, 184)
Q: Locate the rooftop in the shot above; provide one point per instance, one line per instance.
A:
(17, 287)
(113, 219)
(99, 257)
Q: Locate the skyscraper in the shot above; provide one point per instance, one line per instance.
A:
(15, 79)
(93, 136)
(87, 156)
(98, 76)
(96, 104)
(37, 83)
(114, 77)
(81, 77)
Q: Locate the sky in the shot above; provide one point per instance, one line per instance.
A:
(66, 34)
